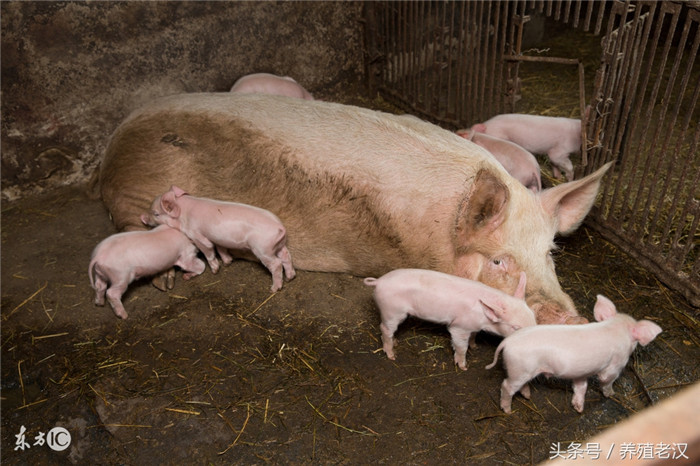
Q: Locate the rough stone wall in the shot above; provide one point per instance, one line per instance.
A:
(71, 71)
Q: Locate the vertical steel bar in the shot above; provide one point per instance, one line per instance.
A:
(631, 64)
(654, 226)
(659, 128)
(636, 157)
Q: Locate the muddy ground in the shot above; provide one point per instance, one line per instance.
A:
(218, 370)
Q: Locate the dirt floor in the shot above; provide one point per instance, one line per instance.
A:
(218, 370)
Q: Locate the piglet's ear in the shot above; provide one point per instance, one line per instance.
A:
(479, 128)
(522, 283)
(465, 133)
(491, 311)
(603, 309)
(645, 331)
(178, 191)
(169, 205)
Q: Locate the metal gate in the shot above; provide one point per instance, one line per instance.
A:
(456, 63)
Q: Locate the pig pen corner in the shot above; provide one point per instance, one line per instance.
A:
(220, 369)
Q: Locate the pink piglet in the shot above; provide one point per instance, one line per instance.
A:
(124, 257)
(465, 306)
(574, 352)
(218, 225)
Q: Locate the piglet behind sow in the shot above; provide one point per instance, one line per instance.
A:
(218, 225)
(555, 136)
(265, 83)
(518, 162)
(465, 306)
(122, 258)
(573, 352)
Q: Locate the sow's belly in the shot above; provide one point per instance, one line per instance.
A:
(359, 191)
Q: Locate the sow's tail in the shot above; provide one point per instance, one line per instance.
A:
(370, 281)
(495, 356)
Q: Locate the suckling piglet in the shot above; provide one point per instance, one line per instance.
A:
(557, 137)
(124, 257)
(518, 162)
(266, 83)
(465, 306)
(218, 225)
(574, 352)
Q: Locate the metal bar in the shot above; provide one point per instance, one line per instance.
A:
(655, 223)
(652, 99)
(582, 111)
(636, 156)
(577, 13)
(527, 58)
(633, 50)
(659, 128)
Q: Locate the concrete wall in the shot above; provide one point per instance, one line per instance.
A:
(72, 71)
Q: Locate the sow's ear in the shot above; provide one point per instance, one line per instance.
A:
(570, 202)
(483, 210)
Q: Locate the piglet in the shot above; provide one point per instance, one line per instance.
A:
(555, 136)
(573, 352)
(521, 164)
(124, 257)
(265, 83)
(220, 225)
(465, 306)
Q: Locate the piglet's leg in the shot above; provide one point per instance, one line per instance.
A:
(580, 387)
(100, 289)
(114, 295)
(511, 385)
(224, 254)
(286, 259)
(164, 281)
(525, 391)
(388, 328)
(507, 392)
(274, 265)
(460, 341)
(606, 379)
(192, 266)
(561, 163)
(207, 248)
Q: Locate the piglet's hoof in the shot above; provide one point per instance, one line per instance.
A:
(575, 320)
(164, 281)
